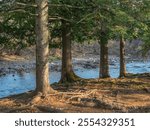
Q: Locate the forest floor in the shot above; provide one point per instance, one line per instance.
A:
(131, 94)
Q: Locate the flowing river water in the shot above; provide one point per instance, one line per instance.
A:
(15, 83)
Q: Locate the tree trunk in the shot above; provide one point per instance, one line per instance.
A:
(42, 48)
(104, 65)
(67, 74)
(122, 57)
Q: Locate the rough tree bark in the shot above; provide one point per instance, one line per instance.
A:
(104, 65)
(42, 48)
(122, 57)
(67, 73)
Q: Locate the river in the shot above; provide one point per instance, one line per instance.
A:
(16, 83)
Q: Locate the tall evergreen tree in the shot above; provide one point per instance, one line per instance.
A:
(42, 48)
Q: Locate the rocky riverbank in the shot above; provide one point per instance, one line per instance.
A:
(25, 65)
(14, 66)
(84, 56)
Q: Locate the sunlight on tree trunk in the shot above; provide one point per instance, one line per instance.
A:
(42, 48)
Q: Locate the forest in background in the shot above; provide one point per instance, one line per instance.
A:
(49, 24)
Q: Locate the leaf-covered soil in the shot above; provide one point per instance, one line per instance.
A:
(131, 94)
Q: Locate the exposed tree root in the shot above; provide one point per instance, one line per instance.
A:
(101, 95)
